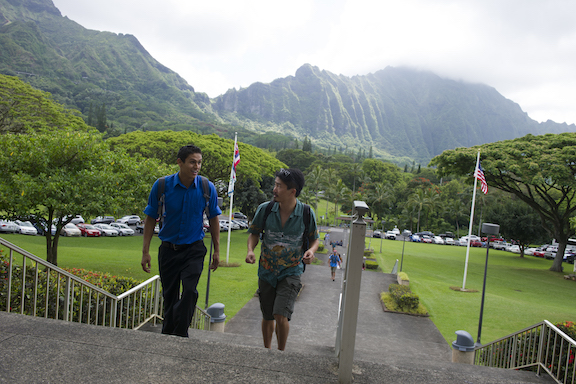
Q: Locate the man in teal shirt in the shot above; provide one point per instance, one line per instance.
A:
(282, 254)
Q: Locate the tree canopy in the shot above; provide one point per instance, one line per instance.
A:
(539, 170)
(55, 166)
(216, 153)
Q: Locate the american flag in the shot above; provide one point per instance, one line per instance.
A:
(479, 174)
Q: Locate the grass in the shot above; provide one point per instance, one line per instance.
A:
(519, 291)
(232, 286)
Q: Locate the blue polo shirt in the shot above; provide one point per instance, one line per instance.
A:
(281, 250)
(183, 222)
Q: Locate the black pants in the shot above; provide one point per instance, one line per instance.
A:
(180, 266)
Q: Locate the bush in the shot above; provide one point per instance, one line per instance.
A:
(368, 252)
(403, 276)
(321, 248)
(371, 264)
(403, 297)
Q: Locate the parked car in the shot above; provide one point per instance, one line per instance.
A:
(103, 220)
(88, 230)
(438, 240)
(513, 249)
(569, 257)
(70, 229)
(130, 220)
(26, 228)
(107, 230)
(449, 241)
(499, 244)
(415, 238)
(426, 239)
(390, 235)
(140, 228)
(463, 241)
(242, 223)
(123, 229)
(223, 226)
(8, 226)
(239, 215)
(377, 234)
(228, 224)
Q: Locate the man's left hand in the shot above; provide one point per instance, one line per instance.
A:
(215, 261)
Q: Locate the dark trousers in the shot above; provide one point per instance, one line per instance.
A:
(180, 266)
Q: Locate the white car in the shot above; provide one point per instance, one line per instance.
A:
(438, 240)
(449, 241)
(107, 230)
(130, 220)
(390, 235)
(464, 240)
(513, 249)
(70, 230)
(26, 228)
(123, 229)
(225, 223)
(8, 226)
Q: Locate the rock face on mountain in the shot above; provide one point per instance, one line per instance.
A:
(399, 111)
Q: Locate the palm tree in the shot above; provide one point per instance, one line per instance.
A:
(314, 182)
(417, 200)
(328, 179)
(381, 194)
(341, 193)
(307, 196)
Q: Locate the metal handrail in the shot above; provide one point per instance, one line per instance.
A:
(541, 346)
(39, 288)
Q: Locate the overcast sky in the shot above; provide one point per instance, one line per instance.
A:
(526, 49)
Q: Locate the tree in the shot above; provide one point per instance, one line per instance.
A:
(539, 170)
(417, 201)
(517, 221)
(341, 193)
(60, 168)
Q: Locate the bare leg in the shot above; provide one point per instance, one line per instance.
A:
(267, 332)
(282, 329)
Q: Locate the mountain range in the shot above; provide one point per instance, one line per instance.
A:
(401, 114)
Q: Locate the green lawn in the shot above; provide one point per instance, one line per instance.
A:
(232, 286)
(519, 291)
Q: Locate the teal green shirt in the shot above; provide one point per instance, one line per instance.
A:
(281, 250)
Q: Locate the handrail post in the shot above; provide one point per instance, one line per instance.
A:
(67, 300)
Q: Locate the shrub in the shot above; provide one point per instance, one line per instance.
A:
(568, 327)
(403, 276)
(370, 264)
(321, 248)
(368, 252)
(403, 297)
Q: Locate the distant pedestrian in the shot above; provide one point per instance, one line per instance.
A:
(335, 262)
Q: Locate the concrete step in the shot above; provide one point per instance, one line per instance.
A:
(44, 350)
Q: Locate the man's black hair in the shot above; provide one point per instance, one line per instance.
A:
(293, 178)
(187, 150)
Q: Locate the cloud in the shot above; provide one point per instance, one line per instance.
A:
(523, 48)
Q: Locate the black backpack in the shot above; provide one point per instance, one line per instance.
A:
(306, 218)
(162, 198)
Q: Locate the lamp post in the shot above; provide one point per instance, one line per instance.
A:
(489, 229)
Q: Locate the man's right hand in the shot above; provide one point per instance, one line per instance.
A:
(146, 262)
(250, 257)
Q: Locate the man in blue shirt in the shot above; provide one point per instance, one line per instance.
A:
(181, 254)
(281, 254)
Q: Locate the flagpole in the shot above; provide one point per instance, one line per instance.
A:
(471, 222)
(231, 193)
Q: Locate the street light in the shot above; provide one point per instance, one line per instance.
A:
(489, 229)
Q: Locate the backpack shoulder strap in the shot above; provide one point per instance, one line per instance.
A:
(267, 211)
(161, 200)
(206, 191)
(306, 234)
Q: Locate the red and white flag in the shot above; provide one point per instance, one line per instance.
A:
(479, 174)
(235, 162)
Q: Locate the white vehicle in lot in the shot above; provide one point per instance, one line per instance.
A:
(8, 226)
(70, 230)
(123, 229)
(513, 249)
(390, 235)
(107, 230)
(130, 220)
(438, 240)
(449, 241)
(26, 228)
